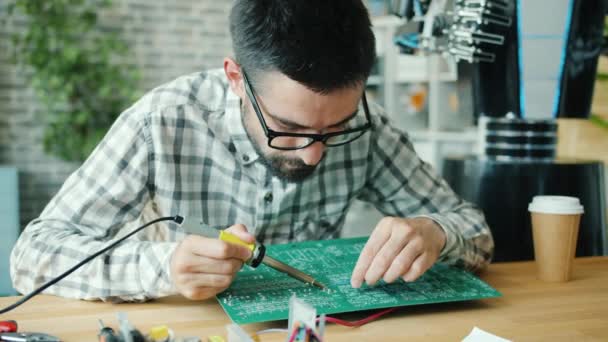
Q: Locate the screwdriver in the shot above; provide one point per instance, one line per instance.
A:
(259, 256)
(107, 334)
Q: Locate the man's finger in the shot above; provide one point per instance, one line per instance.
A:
(241, 232)
(419, 266)
(373, 245)
(402, 263)
(200, 264)
(207, 280)
(215, 248)
(385, 257)
(198, 293)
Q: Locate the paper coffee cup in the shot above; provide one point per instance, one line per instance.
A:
(555, 225)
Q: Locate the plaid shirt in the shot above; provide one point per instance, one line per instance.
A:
(182, 149)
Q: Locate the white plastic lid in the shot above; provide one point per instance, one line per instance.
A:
(556, 205)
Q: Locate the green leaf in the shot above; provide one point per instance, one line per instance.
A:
(81, 118)
(599, 121)
(10, 9)
(89, 18)
(70, 53)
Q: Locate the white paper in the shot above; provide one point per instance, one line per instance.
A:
(478, 335)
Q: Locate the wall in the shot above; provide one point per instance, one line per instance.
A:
(167, 38)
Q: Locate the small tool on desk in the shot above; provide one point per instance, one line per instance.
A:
(107, 334)
(160, 333)
(27, 337)
(8, 326)
(128, 332)
(259, 256)
(8, 332)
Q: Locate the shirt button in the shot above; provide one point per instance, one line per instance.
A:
(245, 158)
(268, 197)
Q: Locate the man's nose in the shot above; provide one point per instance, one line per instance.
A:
(312, 154)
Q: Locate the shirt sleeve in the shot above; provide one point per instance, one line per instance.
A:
(400, 184)
(99, 203)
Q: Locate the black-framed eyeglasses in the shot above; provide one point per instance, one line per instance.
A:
(294, 141)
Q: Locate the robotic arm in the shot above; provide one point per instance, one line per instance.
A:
(461, 29)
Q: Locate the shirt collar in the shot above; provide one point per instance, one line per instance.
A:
(234, 119)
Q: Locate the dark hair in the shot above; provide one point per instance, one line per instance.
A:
(322, 44)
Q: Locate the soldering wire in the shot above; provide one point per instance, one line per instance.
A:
(294, 332)
(354, 324)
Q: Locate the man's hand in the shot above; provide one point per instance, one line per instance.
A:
(202, 267)
(399, 247)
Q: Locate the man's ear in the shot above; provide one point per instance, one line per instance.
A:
(235, 78)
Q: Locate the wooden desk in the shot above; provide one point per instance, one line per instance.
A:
(530, 310)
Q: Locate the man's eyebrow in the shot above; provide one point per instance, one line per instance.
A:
(288, 122)
(350, 117)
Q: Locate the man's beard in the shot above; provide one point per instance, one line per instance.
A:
(289, 169)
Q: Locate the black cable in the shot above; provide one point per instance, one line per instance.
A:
(177, 219)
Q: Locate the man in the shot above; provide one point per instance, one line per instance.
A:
(274, 147)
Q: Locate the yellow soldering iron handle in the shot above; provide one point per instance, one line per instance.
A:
(231, 238)
(258, 251)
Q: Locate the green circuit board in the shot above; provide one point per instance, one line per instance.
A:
(262, 294)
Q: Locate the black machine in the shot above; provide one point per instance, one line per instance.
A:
(533, 62)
